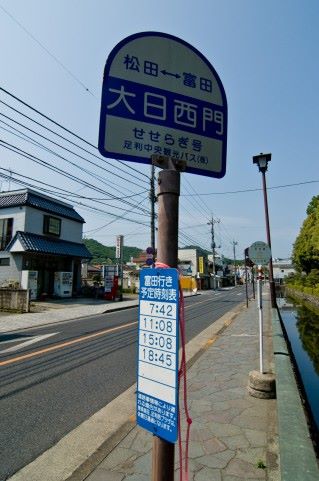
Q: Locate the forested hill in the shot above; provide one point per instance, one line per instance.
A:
(106, 254)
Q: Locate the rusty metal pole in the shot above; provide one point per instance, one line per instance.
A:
(167, 247)
(152, 199)
(271, 271)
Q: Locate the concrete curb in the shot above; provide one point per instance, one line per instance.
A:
(297, 457)
(118, 307)
(76, 455)
(56, 322)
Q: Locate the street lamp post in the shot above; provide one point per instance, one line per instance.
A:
(262, 161)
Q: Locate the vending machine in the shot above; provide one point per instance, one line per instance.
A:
(63, 284)
(29, 280)
(110, 274)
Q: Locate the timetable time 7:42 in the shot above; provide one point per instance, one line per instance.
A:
(163, 308)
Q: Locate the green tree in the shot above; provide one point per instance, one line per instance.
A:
(106, 254)
(306, 247)
(313, 204)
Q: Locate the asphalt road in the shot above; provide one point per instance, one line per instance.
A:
(51, 384)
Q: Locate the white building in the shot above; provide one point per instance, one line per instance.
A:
(188, 262)
(282, 268)
(42, 235)
(192, 263)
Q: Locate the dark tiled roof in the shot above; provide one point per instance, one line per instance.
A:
(39, 202)
(45, 245)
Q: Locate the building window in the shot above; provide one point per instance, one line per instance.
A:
(4, 261)
(52, 225)
(6, 226)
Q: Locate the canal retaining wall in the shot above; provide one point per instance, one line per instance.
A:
(304, 296)
(298, 461)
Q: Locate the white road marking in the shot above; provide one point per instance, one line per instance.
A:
(243, 335)
(33, 340)
(16, 339)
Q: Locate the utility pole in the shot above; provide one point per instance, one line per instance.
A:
(153, 200)
(234, 250)
(213, 245)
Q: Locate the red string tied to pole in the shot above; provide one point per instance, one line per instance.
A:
(184, 472)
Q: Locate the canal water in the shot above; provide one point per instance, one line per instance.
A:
(302, 326)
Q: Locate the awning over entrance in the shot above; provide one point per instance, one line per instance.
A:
(28, 242)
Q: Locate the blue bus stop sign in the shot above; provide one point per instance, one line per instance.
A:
(161, 96)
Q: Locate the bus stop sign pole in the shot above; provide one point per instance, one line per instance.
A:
(168, 200)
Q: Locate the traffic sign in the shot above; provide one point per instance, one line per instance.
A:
(259, 253)
(157, 375)
(161, 96)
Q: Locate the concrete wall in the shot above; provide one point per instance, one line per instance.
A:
(16, 300)
(297, 456)
(70, 229)
(11, 273)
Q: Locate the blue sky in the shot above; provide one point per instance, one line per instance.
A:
(266, 56)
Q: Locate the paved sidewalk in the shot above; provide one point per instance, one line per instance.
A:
(232, 433)
(14, 322)
(85, 307)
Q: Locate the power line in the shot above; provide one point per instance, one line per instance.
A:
(101, 159)
(59, 145)
(48, 51)
(95, 176)
(69, 131)
(82, 205)
(191, 240)
(62, 172)
(92, 231)
(206, 208)
(68, 193)
(254, 190)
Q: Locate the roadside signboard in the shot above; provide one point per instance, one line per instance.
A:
(259, 253)
(119, 247)
(201, 265)
(157, 371)
(162, 96)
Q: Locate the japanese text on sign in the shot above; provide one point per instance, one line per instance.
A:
(160, 96)
(157, 383)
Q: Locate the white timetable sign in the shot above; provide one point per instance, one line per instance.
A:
(157, 371)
